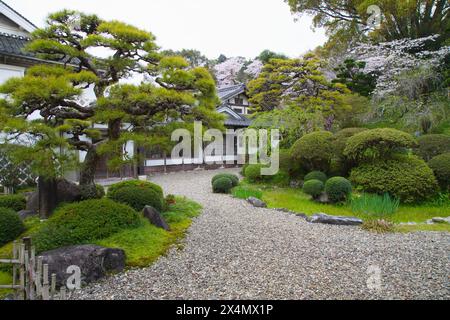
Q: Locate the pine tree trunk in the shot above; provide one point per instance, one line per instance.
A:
(47, 196)
(87, 174)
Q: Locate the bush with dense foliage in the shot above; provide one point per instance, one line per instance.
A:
(16, 202)
(85, 222)
(234, 178)
(340, 165)
(378, 144)
(313, 187)
(432, 145)
(92, 191)
(441, 168)
(316, 175)
(408, 178)
(136, 183)
(253, 173)
(137, 197)
(338, 189)
(314, 151)
(10, 225)
(288, 164)
(222, 185)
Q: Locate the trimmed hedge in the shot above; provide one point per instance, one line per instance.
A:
(15, 202)
(338, 189)
(432, 145)
(234, 178)
(313, 187)
(89, 192)
(340, 140)
(378, 144)
(441, 168)
(407, 178)
(289, 165)
(85, 222)
(222, 185)
(10, 226)
(316, 175)
(137, 194)
(253, 173)
(314, 151)
(136, 183)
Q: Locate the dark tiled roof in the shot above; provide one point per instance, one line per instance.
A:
(226, 93)
(241, 121)
(14, 45)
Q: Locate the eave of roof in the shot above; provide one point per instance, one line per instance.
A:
(17, 17)
(227, 93)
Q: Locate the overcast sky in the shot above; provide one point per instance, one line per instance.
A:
(232, 27)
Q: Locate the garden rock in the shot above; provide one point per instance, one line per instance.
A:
(440, 220)
(335, 220)
(323, 198)
(155, 218)
(296, 184)
(67, 191)
(256, 202)
(33, 202)
(26, 214)
(95, 262)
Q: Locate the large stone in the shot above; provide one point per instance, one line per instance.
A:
(335, 220)
(256, 202)
(26, 214)
(155, 218)
(33, 202)
(95, 262)
(67, 191)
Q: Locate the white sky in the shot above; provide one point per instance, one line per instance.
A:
(232, 27)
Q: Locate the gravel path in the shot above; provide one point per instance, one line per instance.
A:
(235, 251)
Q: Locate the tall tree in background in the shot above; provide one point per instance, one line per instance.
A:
(346, 20)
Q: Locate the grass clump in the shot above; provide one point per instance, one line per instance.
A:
(244, 193)
(375, 206)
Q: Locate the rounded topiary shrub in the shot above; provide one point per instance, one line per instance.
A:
(85, 222)
(316, 175)
(313, 187)
(407, 178)
(378, 144)
(222, 185)
(338, 189)
(234, 178)
(253, 173)
(432, 145)
(92, 191)
(10, 225)
(314, 151)
(441, 168)
(340, 140)
(15, 202)
(137, 197)
(136, 183)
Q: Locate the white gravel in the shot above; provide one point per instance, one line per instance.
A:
(235, 251)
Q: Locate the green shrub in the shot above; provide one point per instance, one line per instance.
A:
(253, 173)
(374, 206)
(441, 168)
(282, 178)
(16, 202)
(316, 175)
(10, 226)
(313, 187)
(432, 145)
(222, 185)
(137, 197)
(234, 178)
(137, 183)
(338, 189)
(406, 178)
(341, 165)
(314, 151)
(85, 222)
(288, 164)
(378, 144)
(92, 191)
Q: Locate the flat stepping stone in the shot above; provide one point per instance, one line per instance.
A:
(335, 220)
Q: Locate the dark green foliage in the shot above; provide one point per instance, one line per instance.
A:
(138, 184)
(92, 191)
(351, 73)
(314, 151)
(340, 165)
(268, 55)
(222, 185)
(288, 164)
(313, 187)
(14, 202)
(441, 168)
(316, 175)
(378, 144)
(85, 222)
(407, 178)
(234, 179)
(137, 197)
(432, 145)
(10, 226)
(338, 189)
(253, 173)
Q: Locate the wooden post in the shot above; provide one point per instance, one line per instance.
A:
(45, 288)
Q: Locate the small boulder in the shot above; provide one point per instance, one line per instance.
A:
(26, 214)
(440, 220)
(323, 198)
(95, 262)
(335, 220)
(295, 184)
(67, 192)
(155, 218)
(256, 202)
(33, 202)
